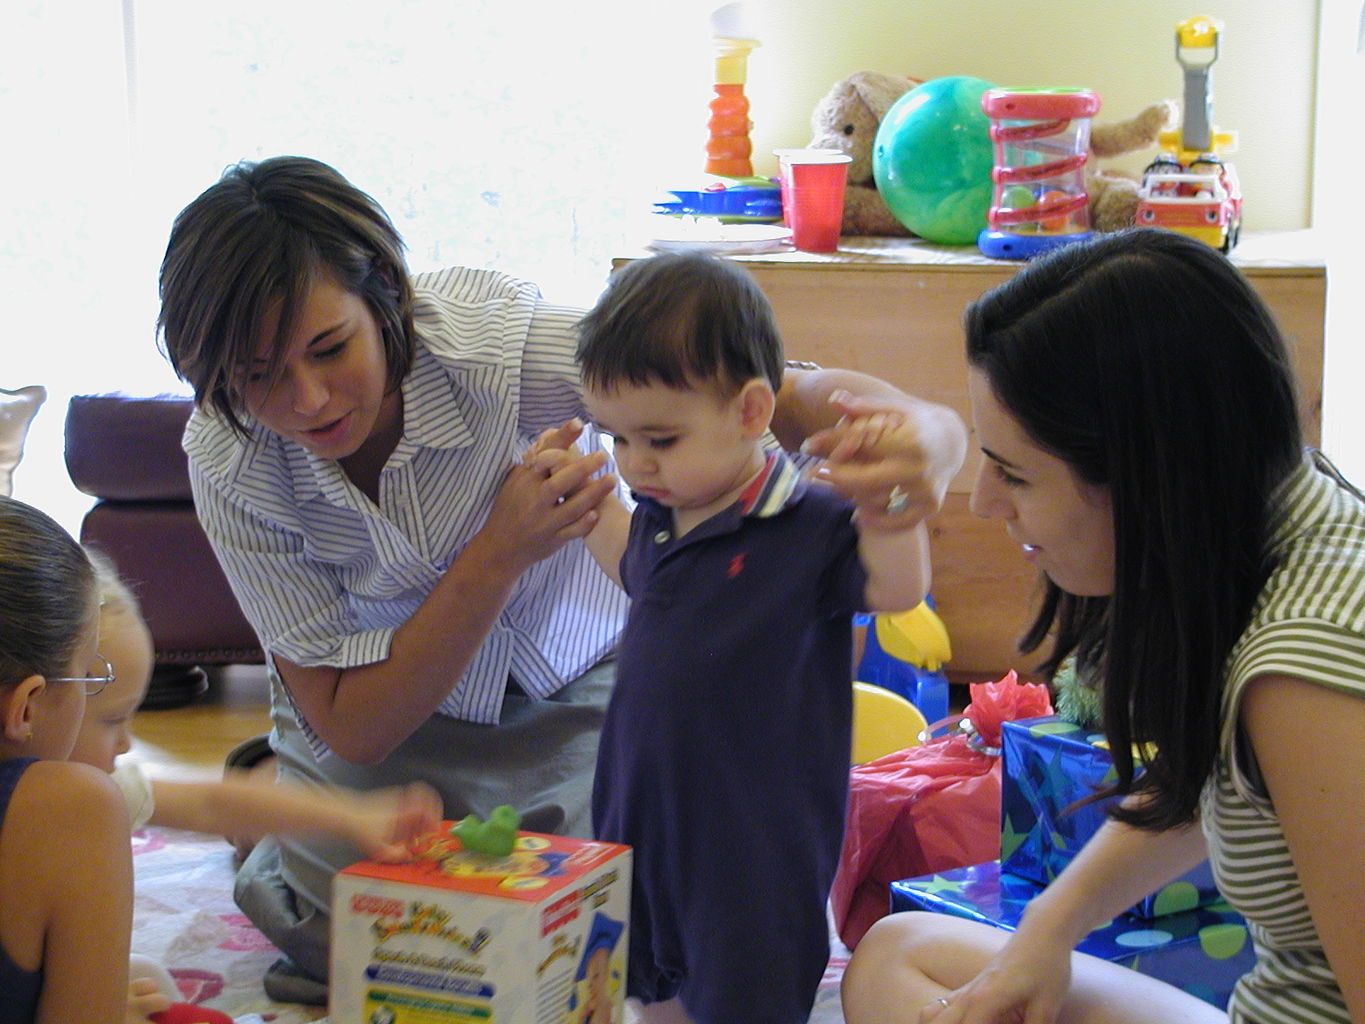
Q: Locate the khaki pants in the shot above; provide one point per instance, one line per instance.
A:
(539, 759)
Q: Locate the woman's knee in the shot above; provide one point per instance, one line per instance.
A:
(883, 954)
(901, 937)
(919, 948)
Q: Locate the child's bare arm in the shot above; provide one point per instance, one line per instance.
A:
(380, 823)
(897, 564)
(606, 542)
(892, 542)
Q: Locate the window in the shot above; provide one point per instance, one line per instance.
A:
(531, 138)
(1337, 162)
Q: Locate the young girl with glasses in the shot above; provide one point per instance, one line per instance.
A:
(376, 824)
(65, 859)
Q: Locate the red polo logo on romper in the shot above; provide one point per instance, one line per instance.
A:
(736, 565)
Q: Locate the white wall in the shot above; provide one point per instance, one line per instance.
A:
(1340, 154)
(62, 98)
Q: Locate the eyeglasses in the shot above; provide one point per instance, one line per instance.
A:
(93, 684)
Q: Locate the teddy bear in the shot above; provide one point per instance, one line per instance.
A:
(1113, 195)
(847, 118)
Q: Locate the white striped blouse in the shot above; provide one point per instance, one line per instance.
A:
(325, 576)
(1309, 622)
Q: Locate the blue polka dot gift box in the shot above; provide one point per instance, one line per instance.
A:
(1049, 764)
(1203, 951)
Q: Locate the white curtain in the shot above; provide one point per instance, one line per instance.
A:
(528, 137)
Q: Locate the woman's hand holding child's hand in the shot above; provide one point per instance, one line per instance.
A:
(552, 454)
(875, 457)
(553, 451)
(540, 508)
(560, 439)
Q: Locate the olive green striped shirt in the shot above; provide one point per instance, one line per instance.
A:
(1309, 622)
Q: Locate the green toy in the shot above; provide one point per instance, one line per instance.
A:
(494, 837)
(932, 160)
(1076, 700)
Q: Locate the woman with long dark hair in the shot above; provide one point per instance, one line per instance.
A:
(1134, 406)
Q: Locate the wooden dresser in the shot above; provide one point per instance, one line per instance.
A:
(892, 308)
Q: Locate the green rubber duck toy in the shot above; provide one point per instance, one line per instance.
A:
(494, 837)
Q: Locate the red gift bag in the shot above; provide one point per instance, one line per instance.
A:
(927, 808)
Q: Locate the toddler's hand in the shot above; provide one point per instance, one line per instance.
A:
(870, 436)
(560, 438)
(144, 999)
(386, 821)
(549, 460)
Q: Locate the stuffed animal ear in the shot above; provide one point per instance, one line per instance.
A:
(831, 108)
(847, 118)
(880, 91)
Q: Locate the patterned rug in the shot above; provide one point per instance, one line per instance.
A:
(184, 917)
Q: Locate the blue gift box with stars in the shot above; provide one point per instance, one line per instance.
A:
(1203, 951)
(1048, 765)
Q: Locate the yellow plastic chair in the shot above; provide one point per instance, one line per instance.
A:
(883, 721)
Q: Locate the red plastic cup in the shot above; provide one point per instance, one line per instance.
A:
(812, 183)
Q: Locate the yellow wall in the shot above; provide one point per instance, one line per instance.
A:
(1263, 82)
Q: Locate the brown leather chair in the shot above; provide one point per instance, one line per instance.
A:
(125, 451)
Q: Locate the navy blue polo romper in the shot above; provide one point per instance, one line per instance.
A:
(724, 756)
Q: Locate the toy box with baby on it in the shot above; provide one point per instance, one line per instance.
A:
(536, 936)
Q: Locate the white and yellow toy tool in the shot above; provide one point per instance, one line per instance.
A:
(917, 637)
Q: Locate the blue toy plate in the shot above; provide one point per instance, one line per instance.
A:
(755, 201)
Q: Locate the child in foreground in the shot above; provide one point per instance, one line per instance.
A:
(378, 824)
(65, 861)
(724, 756)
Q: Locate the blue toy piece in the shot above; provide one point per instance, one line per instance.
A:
(932, 160)
(750, 200)
(927, 690)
